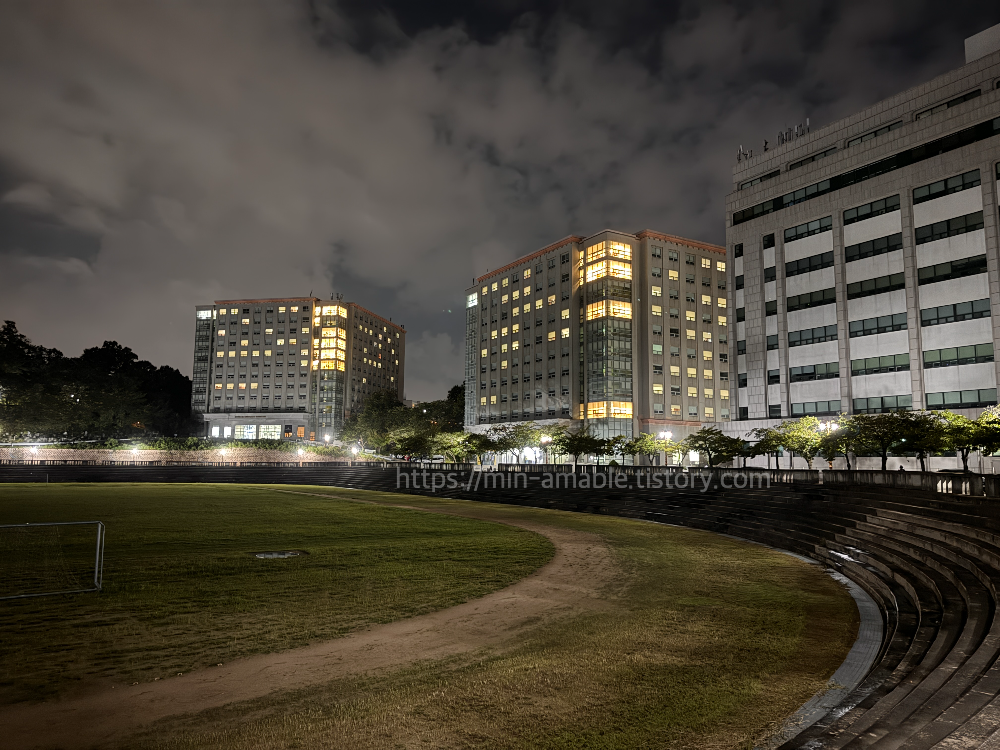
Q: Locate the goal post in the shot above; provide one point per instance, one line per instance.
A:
(47, 559)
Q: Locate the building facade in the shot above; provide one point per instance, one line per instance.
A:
(624, 333)
(864, 266)
(292, 368)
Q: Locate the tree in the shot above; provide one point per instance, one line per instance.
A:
(925, 434)
(800, 436)
(514, 437)
(768, 441)
(962, 435)
(837, 442)
(31, 399)
(579, 442)
(617, 446)
(711, 441)
(880, 432)
(479, 445)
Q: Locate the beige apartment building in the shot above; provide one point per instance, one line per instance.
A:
(624, 333)
(292, 368)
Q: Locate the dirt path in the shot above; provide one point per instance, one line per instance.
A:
(575, 580)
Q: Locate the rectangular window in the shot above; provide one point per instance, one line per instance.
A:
(953, 269)
(673, 275)
(812, 263)
(811, 159)
(948, 104)
(773, 377)
(657, 348)
(658, 388)
(881, 324)
(772, 342)
(950, 228)
(758, 180)
(770, 308)
(871, 248)
(675, 371)
(880, 365)
(816, 335)
(739, 282)
(741, 314)
(770, 274)
(869, 210)
(690, 334)
(657, 252)
(706, 299)
(692, 372)
(808, 373)
(875, 133)
(741, 380)
(722, 320)
(811, 299)
(816, 408)
(741, 347)
(720, 266)
(768, 241)
(552, 336)
(962, 399)
(882, 404)
(808, 229)
(657, 272)
(720, 302)
(946, 187)
(657, 291)
(738, 250)
(880, 285)
(961, 355)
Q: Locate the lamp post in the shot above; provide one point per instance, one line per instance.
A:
(545, 440)
(664, 435)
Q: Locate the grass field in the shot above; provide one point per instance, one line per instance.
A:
(182, 589)
(702, 642)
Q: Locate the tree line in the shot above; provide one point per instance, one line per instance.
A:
(105, 393)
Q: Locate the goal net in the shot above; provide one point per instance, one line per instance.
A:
(42, 559)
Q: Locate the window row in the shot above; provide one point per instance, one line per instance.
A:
(881, 404)
(809, 228)
(880, 365)
(950, 228)
(806, 265)
(933, 316)
(871, 248)
(962, 399)
(808, 373)
(815, 408)
(960, 355)
(879, 285)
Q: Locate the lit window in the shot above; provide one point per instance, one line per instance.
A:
(515, 294)
(614, 268)
(222, 331)
(675, 410)
(485, 290)
(690, 316)
(692, 392)
(720, 266)
(268, 331)
(505, 298)
(692, 372)
(673, 276)
(219, 354)
(527, 307)
(706, 336)
(709, 412)
(515, 312)
(552, 336)
(231, 354)
(504, 283)
(218, 386)
(565, 314)
(709, 393)
(493, 286)
(493, 399)
(538, 304)
(503, 331)
(564, 333)
(515, 328)
(245, 342)
(657, 387)
(706, 263)
(482, 401)
(230, 386)
(657, 291)
(253, 386)
(493, 333)
(690, 334)
(722, 320)
(706, 355)
(706, 299)
(527, 275)
(675, 371)
(552, 299)
(657, 311)
(597, 410)
(295, 308)
(281, 342)
(708, 375)
(724, 395)
(222, 311)
(503, 348)
(721, 302)
(515, 346)
(503, 365)
(234, 310)
(485, 353)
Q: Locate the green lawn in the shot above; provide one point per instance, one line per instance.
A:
(710, 643)
(182, 589)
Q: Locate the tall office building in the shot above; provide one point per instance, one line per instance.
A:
(624, 333)
(864, 266)
(290, 368)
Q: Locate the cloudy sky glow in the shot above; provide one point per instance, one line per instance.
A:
(159, 155)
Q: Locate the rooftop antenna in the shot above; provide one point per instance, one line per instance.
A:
(340, 297)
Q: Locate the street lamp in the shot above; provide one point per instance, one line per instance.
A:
(665, 435)
(301, 451)
(354, 449)
(326, 438)
(223, 451)
(545, 440)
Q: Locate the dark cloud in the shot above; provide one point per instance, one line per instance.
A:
(154, 156)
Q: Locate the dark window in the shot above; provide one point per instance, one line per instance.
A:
(946, 187)
(672, 255)
(768, 241)
(962, 399)
(948, 104)
(739, 281)
(812, 263)
(808, 229)
(944, 145)
(806, 373)
(657, 369)
(881, 324)
(770, 274)
(811, 299)
(872, 248)
(774, 411)
(933, 316)
(689, 278)
(706, 281)
(811, 159)
(879, 285)
(816, 408)
(564, 258)
(738, 250)
(773, 377)
(741, 314)
(741, 347)
(812, 335)
(772, 342)
(565, 277)
(879, 365)
(952, 269)
(675, 333)
(657, 252)
(880, 404)
(758, 180)
(961, 355)
(689, 259)
(875, 208)
(875, 133)
(657, 330)
(741, 380)
(941, 229)
(743, 412)
(771, 308)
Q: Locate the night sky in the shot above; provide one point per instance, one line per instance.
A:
(159, 155)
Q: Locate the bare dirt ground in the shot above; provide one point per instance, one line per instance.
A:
(576, 580)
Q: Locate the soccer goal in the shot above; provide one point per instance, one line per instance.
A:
(45, 559)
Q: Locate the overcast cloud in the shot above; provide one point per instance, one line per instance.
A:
(159, 155)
